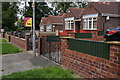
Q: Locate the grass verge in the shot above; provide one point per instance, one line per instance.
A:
(3, 40)
(7, 48)
(49, 72)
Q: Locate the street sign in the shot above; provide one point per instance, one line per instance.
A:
(28, 22)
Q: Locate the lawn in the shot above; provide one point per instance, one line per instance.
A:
(49, 72)
(7, 48)
(3, 40)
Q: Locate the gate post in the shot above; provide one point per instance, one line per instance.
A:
(26, 41)
(39, 46)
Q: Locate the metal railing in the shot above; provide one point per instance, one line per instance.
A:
(98, 49)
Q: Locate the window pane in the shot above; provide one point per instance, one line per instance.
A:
(86, 23)
(66, 24)
(94, 24)
(72, 25)
(90, 19)
(94, 19)
(90, 24)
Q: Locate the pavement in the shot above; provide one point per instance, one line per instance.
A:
(23, 61)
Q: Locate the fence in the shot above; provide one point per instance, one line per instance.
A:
(83, 35)
(49, 46)
(94, 48)
(73, 57)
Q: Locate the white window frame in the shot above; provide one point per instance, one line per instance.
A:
(68, 23)
(42, 28)
(48, 27)
(86, 21)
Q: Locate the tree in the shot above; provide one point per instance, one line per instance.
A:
(9, 15)
(63, 6)
(20, 23)
(41, 10)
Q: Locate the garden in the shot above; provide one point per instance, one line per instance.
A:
(47, 72)
(8, 48)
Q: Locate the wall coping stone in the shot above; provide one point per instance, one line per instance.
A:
(19, 38)
(65, 37)
(113, 42)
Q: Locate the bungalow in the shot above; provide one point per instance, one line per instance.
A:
(51, 23)
(99, 16)
(54, 23)
(72, 20)
(43, 24)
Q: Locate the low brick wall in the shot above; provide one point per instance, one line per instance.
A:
(7, 37)
(95, 37)
(90, 66)
(19, 42)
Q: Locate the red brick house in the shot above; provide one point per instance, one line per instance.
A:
(54, 23)
(72, 20)
(51, 23)
(43, 24)
(100, 16)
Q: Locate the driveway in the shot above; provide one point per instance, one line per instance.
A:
(22, 62)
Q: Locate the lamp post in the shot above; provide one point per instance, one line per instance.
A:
(34, 50)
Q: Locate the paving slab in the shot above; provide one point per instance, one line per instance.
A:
(23, 61)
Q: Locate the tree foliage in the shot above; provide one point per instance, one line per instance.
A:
(41, 10)
(9, 15)
(59, 7)
(20, 23)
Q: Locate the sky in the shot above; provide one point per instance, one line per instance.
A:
(23, 4)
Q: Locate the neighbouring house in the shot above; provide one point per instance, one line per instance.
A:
(99, 16)
(54, 23)
(72, 20)
(43, 24)
(51, 23)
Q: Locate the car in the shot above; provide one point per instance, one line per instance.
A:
(112, 34)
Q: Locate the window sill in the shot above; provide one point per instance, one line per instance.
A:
(89, 29)
(69, 29)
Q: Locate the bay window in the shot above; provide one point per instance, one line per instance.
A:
(90, 22)
(69, 23)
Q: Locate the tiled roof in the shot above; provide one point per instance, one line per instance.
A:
(44, 20)
(66, 15)
(55, 19)
(77, 12)
(108, 7)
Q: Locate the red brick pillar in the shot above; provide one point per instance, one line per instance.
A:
(94, 35)
(64, 46)
(10, 36)
(64, 43)
(26, 41)
(19, 35)
(39, 46)
(115, 59)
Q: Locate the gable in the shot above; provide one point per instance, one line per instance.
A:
(90, 10)
(107, 7)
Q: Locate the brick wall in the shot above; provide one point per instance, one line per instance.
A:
(95, 37)
(90, 66)
(19, 42)
(7, 37)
